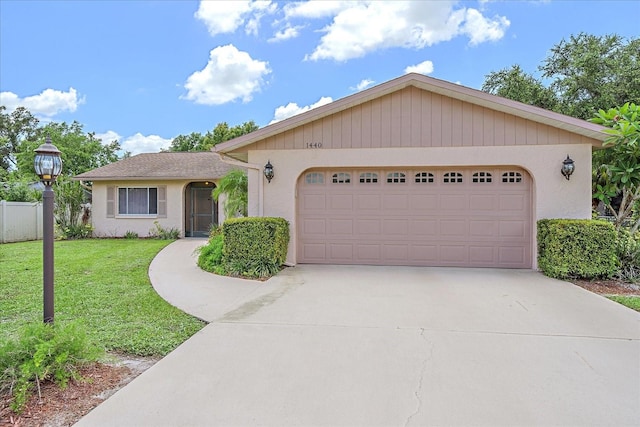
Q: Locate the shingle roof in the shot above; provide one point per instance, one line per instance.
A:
(161, 166)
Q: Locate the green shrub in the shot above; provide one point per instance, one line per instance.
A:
(159, 232)
(575, 248)
(211, 256)
(255, 246)
(78, 231)
(132, 235)
(628, 253)
(43, 352)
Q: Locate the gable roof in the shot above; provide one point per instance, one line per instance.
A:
(441, 87)
(161, 166)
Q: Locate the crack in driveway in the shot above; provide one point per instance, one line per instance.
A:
(423, 370)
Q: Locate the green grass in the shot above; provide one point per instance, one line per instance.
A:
(632, 302)
(102, 283)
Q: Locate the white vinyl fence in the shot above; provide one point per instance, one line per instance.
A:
(20, 221)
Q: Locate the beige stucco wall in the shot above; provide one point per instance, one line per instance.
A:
(552, 195)
(119, 225)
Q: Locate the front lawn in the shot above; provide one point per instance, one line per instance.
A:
(103, 283)
(632, 302)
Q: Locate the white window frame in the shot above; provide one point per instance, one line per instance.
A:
(137, 215)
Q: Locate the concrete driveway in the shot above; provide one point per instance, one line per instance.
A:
(389, 346)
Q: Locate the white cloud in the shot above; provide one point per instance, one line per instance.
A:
(425, 67)
(48, 103)
(292, 109)
(314, 9)
(108, 137)
(480, 29)
(364, 83)
(137, 143)
(361, 27)
(286, 34)
(229, 75)
(227, 16)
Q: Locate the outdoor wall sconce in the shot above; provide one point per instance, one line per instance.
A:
(268, 171)
(568, 165)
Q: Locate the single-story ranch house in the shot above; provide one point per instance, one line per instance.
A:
(173, 189)
(414, 171)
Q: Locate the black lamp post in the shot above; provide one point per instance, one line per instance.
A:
(48, 166)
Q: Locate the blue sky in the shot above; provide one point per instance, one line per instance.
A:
(143, 72)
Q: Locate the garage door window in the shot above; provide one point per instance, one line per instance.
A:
(341, 178)
(424, 177)
(452, 178)
(481, 177)
(314, 178)
(368, 178)
(396, 177)
(512, 177)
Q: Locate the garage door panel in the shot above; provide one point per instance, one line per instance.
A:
(313, 227)
(479, 202)
(368, 202)
(368, 253)
(339, 202)
(512, 202)
(368, 227)
(486, 223)
(482, 228)
(423, 202)
(424, 227)
(395, 227)
(453, 202)
(395, 202)
(453, 227)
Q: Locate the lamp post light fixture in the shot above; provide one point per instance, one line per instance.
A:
(48, 166)
(568, 166)
(268, 171)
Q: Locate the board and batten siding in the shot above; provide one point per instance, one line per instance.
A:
(413, 117)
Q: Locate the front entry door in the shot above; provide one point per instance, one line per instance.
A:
(202, 211)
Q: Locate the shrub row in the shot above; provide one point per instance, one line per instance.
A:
(250, 247)
(586, 249)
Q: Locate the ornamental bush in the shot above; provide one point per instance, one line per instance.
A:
(43, 352)
(255, 246)
(577, 249)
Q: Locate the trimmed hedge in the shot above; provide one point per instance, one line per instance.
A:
(577, 248)
(255, 246)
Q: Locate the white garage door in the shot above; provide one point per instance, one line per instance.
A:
(472, 217)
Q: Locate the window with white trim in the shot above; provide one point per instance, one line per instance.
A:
(137, 201)
(482, 177)
(396, 177)
(314, 178)
(512, 177)
(452, 178)
(368, 177)
(341, 178)
(424, 177)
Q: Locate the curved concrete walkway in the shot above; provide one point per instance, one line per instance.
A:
(388, 346)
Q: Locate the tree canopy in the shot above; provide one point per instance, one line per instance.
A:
(196, 141)
(584, 74)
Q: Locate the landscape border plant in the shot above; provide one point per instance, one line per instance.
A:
(43, 352)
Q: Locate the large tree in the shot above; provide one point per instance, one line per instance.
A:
(81, 151)
(584, 74)
(195, 141)
(16, 127)
(618, 173)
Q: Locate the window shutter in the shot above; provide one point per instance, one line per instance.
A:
(162, 201)
(111, 202)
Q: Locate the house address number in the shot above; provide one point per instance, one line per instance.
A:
(314, 144)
